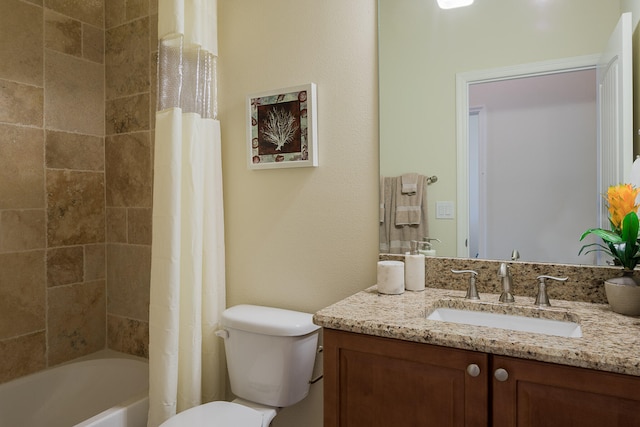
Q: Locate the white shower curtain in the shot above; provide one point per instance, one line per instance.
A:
(187, 263)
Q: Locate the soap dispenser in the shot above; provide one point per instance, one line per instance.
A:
(414, 268)
(426, 247)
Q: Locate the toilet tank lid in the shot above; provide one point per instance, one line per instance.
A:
(268, 320)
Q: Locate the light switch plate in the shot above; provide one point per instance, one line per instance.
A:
(445, 210)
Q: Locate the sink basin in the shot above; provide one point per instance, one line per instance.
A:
(511, 322)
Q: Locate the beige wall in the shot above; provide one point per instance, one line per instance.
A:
(301, 238)
(304, 237)
(422, 49)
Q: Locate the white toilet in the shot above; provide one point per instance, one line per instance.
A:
(270, 357)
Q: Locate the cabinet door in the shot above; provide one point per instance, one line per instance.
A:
(373, 381)
(543, 394)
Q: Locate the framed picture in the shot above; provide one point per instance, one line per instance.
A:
(282, 128)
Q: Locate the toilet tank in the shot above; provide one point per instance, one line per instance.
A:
(270, 353)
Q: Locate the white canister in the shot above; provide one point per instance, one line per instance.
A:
(391, 277)
(414, 272)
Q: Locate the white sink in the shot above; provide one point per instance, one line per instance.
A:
(536, 325)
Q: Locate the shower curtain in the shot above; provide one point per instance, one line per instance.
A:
(187, 263)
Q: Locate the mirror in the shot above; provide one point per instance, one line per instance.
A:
(421, 51)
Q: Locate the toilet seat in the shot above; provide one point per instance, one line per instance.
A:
(220, 414)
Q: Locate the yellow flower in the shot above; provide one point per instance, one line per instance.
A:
(622, 200)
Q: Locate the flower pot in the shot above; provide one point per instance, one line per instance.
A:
(623, 294)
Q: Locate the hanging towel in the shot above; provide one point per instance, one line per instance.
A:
(409, 183)
(409, 206)
(388, 189)
(397, 239)
(381, 213)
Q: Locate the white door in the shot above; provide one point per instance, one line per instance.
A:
(615, 112)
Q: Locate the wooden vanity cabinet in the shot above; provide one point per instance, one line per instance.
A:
(381, 382)
(538, 394)
(373, 381)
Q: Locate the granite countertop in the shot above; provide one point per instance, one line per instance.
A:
(609, 342)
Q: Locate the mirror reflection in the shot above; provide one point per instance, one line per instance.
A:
(424, 48)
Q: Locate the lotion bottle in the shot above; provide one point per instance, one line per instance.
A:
(414, 268)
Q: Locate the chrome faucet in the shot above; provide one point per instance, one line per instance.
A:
(472, 291)
(542, 299)
(504, 272)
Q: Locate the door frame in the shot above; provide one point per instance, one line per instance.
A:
(463, 80)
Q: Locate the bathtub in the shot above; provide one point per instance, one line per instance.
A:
(102, 392)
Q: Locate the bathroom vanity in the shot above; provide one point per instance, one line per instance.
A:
(386, 364)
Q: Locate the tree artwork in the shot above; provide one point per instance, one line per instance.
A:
(279, 127)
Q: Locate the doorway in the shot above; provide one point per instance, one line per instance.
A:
(531, 165)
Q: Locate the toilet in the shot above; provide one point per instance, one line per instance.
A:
(270, 358)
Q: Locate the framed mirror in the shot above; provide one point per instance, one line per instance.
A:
(422, 51)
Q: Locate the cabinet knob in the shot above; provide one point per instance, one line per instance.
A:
(501, 374)
(473, 370)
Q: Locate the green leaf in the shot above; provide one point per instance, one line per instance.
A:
(606, 235)
(599, 247)
(630, 228)
(630, 236)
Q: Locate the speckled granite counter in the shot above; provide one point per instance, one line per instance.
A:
(610, 341)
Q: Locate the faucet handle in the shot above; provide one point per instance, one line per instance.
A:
(504, 272)
(472, 292)
(542, 299)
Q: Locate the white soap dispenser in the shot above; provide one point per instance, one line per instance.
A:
(414, 268)
(426, 247)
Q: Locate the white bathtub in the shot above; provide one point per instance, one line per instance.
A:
(105, 392)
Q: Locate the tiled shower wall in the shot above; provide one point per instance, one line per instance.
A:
(76, 114)
(130, 67)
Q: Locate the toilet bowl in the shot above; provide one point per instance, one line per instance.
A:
(220, 414)
(270, 357)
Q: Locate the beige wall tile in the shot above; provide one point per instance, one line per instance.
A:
(22, 356)
(137, 9)
(75, 94)
(21, 58)
(153, 7)
(126, 59)
(62, 33)
(153, 33)
(128, 170)
(128, 335)
(115, 13)
(22, 293)
(74, 151)
(139, 225)
(21, 167)
(65, 265)
(90, 11)
(76, 321)
(93, 43)
(128, 275)
(21, 104)
(128, 114)
(116, 225)
(22, 230)
(75, 208)
(153, 89)
(95, 258)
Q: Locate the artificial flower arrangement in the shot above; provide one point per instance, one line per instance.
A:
(622, 240)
